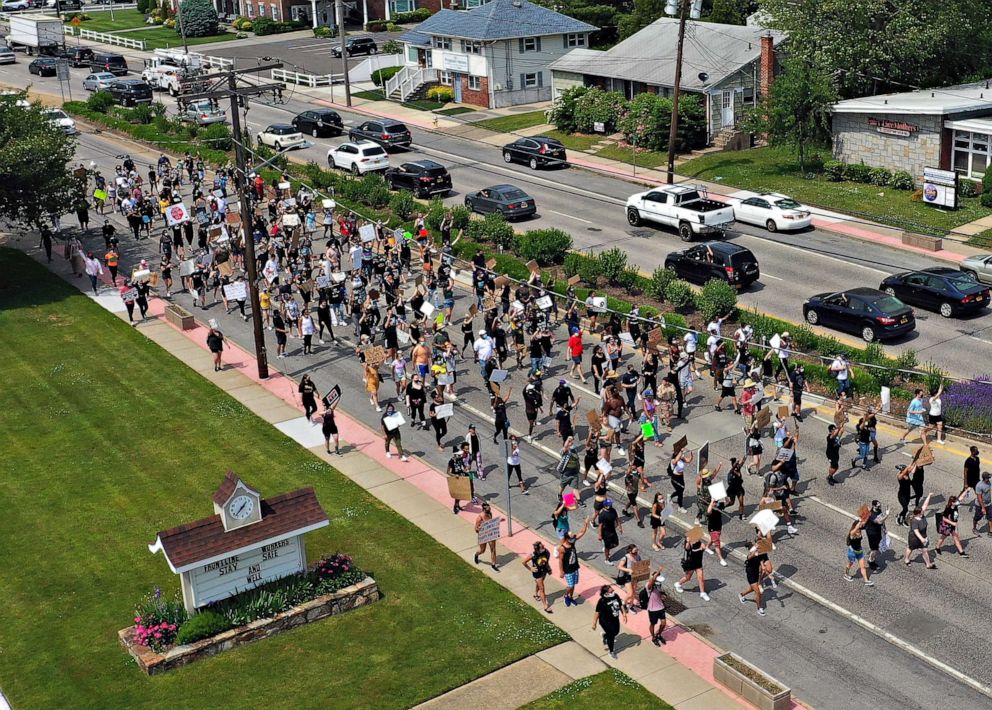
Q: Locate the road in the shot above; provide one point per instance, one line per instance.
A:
(819, 627)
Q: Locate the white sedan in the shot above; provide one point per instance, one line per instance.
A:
(281, 136)
(360, 158)
(59, 118)
(774, 212)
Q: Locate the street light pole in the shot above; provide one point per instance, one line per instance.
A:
(182, 29)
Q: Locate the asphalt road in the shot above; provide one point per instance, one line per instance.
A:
(816, 632)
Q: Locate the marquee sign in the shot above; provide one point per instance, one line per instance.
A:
(893, 128)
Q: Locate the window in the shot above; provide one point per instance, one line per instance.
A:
(468, 4)
(530, 44)
(445, 77)
(251, 9)
(474, 83)
(971, 153)
(442, 42)
(575, 40)
(530, 81)
(261, 9)
(471, 46)
(402, 6)
(275, 11)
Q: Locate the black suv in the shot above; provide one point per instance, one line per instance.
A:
(105, 61)
(130, 92)
(356, 45)
(319, 123)
(535, 151)
(387, 133)
(77, 56)
(422, 177)
(715, 260)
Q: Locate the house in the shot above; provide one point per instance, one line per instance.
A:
(494, 55)
(730, 66)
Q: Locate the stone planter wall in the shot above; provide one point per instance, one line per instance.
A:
(743, 686)
(179, 317)
(152, 662)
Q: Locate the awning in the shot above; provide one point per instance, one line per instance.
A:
(975, 125)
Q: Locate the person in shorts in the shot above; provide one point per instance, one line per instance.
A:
(656, 608)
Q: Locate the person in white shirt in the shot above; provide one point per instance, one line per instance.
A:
(689, 339)
(356, 257)
(935, 417)
(841, 369)
(94, 269)
(483, 347)
(308, 329)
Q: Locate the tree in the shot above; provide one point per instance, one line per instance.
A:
(35, 156)
(641, 15)
(731, 12)
(199, 18)
(797, 110)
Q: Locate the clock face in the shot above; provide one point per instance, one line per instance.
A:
(241, 507)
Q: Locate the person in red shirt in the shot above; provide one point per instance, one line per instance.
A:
(575, 350)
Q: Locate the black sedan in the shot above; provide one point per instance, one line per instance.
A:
(43, 66)
(319, 123)
(513, 202)
(384, 131)
(421, 177)
(535, 151)
(874, 315)
(938, 289)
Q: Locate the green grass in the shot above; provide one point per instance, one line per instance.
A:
(776, 169)
(123, 20)
(574, 141)
(609, 689)
(456, 110)
(370, 95)
(644, 159)
(107, 440)
(423, 105)
(163, 38)
(983, 240)
(514, 122)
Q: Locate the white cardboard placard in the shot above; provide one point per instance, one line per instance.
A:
(394, 421)
(237, 291)
(765, 521)
(718, 490)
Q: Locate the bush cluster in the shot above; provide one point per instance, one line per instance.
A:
(381, 76)
(199, 18)
(405, 18)
(323, 32)
(546, 246)
(203, 625)
(441, 94)
(243, 24)
(262, 26)
(836, 171)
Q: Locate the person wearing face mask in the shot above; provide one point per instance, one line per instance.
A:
(948, 527)
(609, 610)
(568, 561)
(875, 532)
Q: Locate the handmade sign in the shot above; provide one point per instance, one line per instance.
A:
(443, 411)
(140, 275)
(502, 281)
(694, 534)
(489, 531)
(186, 268)
(771, 505)
(627, 339)
(491, 264)
(327, 204)
(473, 309)
(604, 466)
(923, 456)
(427, 308)
(575, 280)
(375, 356)
(176, 214)
(367, 232)
(100, 195)
(764, 418)
(460, 488)
(764, 546)
(718, 491)
(337, 277)
(285, 186)
(570, 501)
(489, 303)
(544, 303)
(215, 233)
(403, 336)
(667, 511)
(324, 282)
(886, 394)
(446, 379)
(655, 336)
(533, 266)
(679, 445)
(783, 411)
(775, 343)
(270, 273)
(130, 295)
(237, 291)
(784, 454)
(499, 375)
(332, 397)
(703, 457)
(647, 430)
(765, 520)
(225, 268)
(291, 220)
(640, 571)
(394, 421)
(598, 304)
(205, 259)
(840, 416)
(592, 416)
(233, 218)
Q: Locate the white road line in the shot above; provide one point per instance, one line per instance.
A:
(305, 46)
(846, 514)
(766, 275)
(981, 340)
(570, 216)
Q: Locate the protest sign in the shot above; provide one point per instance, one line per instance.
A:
(640, 571)
(923, 456)
(679, 445)
(647, 430)
(332, 397)
(323, 282)
(840, 416)
(225, 268)
(764, 546)
(502, 281)
(533, 266)
(765, 520)
(285, 186)
(704, 456)
(394, 421)
(499, 375)
(718, 491)
(367, 232)
(598, 304)
(489, 531)
(764, 418)
(460, 487)
(443, 411)
(570, 501)
(186, 268)
(427, 308)
(604, 466)
(141, 275)
(176, 214)
(575, 280)
(667, 512)
(592, 416)
(491, 264)
(375, 356)
(783, 411)
(291, 220)
(694, 534)
(327, 204)
(130, 295)
(544, 303)
(784, 454)
(238, 291)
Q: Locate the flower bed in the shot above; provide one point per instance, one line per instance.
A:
(763, 691)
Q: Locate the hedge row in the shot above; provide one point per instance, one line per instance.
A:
(836, 171)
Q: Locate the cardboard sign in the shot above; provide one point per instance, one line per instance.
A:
(499, 375)
(604, 466)
(783, 411)
(764, 546)
(489, 303)
(640, 571)
(367, 232)
(443, 411)
(592, 416)
(130, 295)
(225, 268)
(764, 418)
(703, 457)
(460, 487)
(502, 281)
(784, 454)
(489, 531)
(186, 268)
(176, 214)
(679, 445)
(840, 416)
(534, 268)
(570, 501)
(718, 491)
(923, 456)
(332, 397)
(544, 303)
(291, 220)
(427, 308)
(575, 280)
(694, 534)
(771, 505)
(324, 281)
(491, 264)
(655, 336)
(394, 421)
(238, 291)
(375, 356)
(765, 520)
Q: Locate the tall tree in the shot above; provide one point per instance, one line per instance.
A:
(731, 12)
(643, 13)
(199, 18)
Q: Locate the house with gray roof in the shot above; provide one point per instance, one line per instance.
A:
(730, 66)
(493, 55)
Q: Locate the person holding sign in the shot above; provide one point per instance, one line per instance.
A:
(128, 295)
(918, 539)
(538, 563)
(656, 607)
(568, 561)
(328, 426)
(485, 516)
(714, 526)
(625, 574)
(855, 552)
(438, 423)
(390, 424)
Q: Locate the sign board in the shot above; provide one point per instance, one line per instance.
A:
(62, 69)
(893, 128)
(284, 186)
(427, 309)
(570, 501)
(533, 266)
(489, 531)
(923, 456)
(332, 397)
(224, 268)
(443, 411)
(784, 454)
(544, 303)
(703, 457)
(840, 416)
(718, 491)
(764, 546)
(592, 416)
(575, 280)
(176, 214)
(454, 62)
(783, 411)
(764, 418)
(502, 281)
(940, 188)
(604, 466)
(491, 264)
(667, 511)
(886, 395)
(499, 375)
(375, 356)
(597, 304)
(238, 291)
(640, 571)
(679, 445)
(221, 579)
(291, 220)
(598, 127)
(186, 268)
(765, 521)
(394, 421)
(694, 534)
(367, 232)
(130, 295)
(460, 487)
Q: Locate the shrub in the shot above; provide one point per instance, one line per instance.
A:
(100, 101)
(717, 298)
(379, 76)
(857, 172)
(264, 152)
(391, 46)
(323, 32)
(879, 176)
(492, 228)
(547, 246)
(201, 626)
(660, 278)
(987, 183)
(140, 114)
(405, 18)
(629, 280)
(199, 18)
(834, 170)
(612, 264)
(679, 293)
(675, 325)
(218, 136)
(403, 204)
(598, 106)
(986, 198)
(648, 119)
(968, 405)
(585, 266)
(901, 180)
(142, 7)
(967, 188)
(371, 190)
(441, 94)
(242, 23)
(562, 111)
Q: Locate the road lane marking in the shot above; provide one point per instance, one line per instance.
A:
(570, 216)
(981, 340)
(766, 275)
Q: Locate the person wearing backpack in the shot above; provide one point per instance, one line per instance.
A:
(775, 489)
(538, 563)
(625, 574)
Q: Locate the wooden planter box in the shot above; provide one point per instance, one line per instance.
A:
(739, 683)
(922, 241)
(179, 317)
(152, 662)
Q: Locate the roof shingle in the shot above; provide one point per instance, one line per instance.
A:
(501, 19)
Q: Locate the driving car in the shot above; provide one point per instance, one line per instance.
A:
(979, 266)
(774, 212)
(108, 61)
(131, 92)
(319, 122)
(58, 117)
(77, 56)
(384, 131)
(421, 177)
(513, 202)
(7, 55)
(536, 152)
(715, 260)
(873, 314)
(99, 81)
(203, 112)
(43, 66)
(356, 45)
(360, 158)
(280, 136)
(940, 289)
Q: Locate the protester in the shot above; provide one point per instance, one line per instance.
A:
(538, 563)
(609, 611)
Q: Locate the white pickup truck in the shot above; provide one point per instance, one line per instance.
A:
(684, 207)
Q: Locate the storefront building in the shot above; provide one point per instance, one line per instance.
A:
(948, 128)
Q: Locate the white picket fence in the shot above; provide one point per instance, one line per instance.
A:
(311, 80)
(104, 38)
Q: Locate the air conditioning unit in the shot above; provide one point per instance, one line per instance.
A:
(498, 87)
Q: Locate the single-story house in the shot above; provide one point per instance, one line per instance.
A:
(494, 55)
(730, 66)
(949, 128)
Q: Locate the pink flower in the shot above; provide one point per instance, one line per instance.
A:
(158, 635)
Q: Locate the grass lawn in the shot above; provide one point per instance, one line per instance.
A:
(163, 38)
(370, 95)
(982, 240)
(123, 20)
(514, 122)
(776, 169)
(574, 141)
(644, 159)
(609, 689)
(109, 439)
(456, 110)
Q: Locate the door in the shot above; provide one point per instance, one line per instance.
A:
(654, 205)
(727, 102)
(456, 84)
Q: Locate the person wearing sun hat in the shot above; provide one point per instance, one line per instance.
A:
(749, 401)
(703, 497)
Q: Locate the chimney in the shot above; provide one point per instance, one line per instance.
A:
(766, 66)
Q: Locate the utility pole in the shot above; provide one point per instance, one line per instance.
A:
(236, 94)
(182, 30)
(339, 14)
(682, 9)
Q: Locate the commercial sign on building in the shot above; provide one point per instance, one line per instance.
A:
(940, 188)
(454, 62)
(893, 128)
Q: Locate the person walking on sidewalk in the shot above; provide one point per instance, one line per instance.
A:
(538, 563)
(610, 528)
(609, 610)
(484, 516)
(112, 258)
(458, 465)
(329, 427)
(656, 607)
(568, 560)
(855, 551)
(94, 269)
(918, 539)
(309, 394)
(393, 434)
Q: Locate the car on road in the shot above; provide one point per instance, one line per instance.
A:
(7, 55)
(715, 260)
(108, 61)
(43, 66)
(13, 5)
(99, 81)
(421, 177)
(59, 118)
(319, 122)
(385, 132)
(872, 314)
(774, 212)
(131, 92)
(360, 158)
(77, 56)
(684, 207)
(941, 289)
(536, 152)
(356, 45)
(203, 112)
(979, 266)
(510, 200)
(280, 136)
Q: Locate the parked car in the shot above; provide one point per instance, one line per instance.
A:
(979, 266)
(684, 207)
(356, 45)
(715, 260)
(12, 5)
(43, 66)
(64, 5)
(875, 315)
(131, 92)
(99, 81)
(280, 136)
(360, 158)
(203, 112)
(385, 132)
(513, 202)
(774, 212)
(319, 122)
(77, 56)
(7, 55)
(59, 118)
(940, 289)
(535, 151)
(108, 61)
(421, 177)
